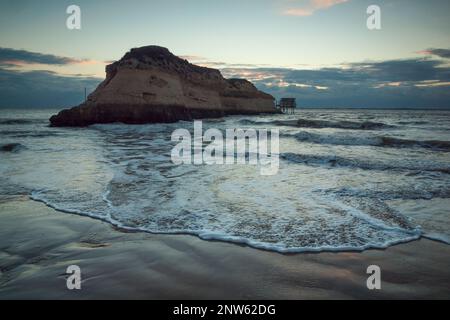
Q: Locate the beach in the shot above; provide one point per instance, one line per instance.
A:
(38, 244)
(246, 151)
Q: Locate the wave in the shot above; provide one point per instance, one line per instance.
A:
(361, 140)
(17, 121)
(30, 133)
(426, 192)
(413, 122)
(12, 147)
(280, 123)
(321, 124)
(384, 236)
(429, 144)
(337, 161)
(366, 125)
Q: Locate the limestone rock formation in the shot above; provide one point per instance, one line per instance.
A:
(150, 84)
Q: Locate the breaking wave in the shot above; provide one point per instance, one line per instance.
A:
(365, 164)
(358, 199)
(365, 125)
(368, 140)
(321, 124)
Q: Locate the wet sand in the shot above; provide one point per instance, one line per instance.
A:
(37, 244)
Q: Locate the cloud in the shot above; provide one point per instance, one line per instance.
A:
(193, 58)
(205, 62)
(409, 83)
(299, 12)
(308, 8)
(42, 88)
(442, 53)
(17, 58)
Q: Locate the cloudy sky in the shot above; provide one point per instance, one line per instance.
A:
(319, 51)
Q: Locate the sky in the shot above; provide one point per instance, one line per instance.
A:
(318, 51)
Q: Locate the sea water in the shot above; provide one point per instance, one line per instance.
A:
(348, 179)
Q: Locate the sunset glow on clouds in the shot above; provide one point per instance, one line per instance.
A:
(307, 8)
(328, 58)
(23, 60)
(14, 57)
(415, 82)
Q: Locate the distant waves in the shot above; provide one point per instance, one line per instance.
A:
(313, 123)
(368, 140)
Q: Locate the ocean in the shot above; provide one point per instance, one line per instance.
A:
(347, 179)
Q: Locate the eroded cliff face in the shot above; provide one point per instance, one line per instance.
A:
(150, 84)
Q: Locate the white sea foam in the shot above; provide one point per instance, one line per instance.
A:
(365, 139)
(334, 193)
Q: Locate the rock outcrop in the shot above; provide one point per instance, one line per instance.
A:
(150, 84)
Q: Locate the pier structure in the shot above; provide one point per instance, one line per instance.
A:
(287, 105)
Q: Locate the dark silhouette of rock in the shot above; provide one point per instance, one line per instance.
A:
(150, 84)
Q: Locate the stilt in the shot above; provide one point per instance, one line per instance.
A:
(287, 105)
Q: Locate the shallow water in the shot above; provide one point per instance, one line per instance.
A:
(348, 179)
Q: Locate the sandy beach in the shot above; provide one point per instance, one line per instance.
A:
(38, 244)
(184, 151)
